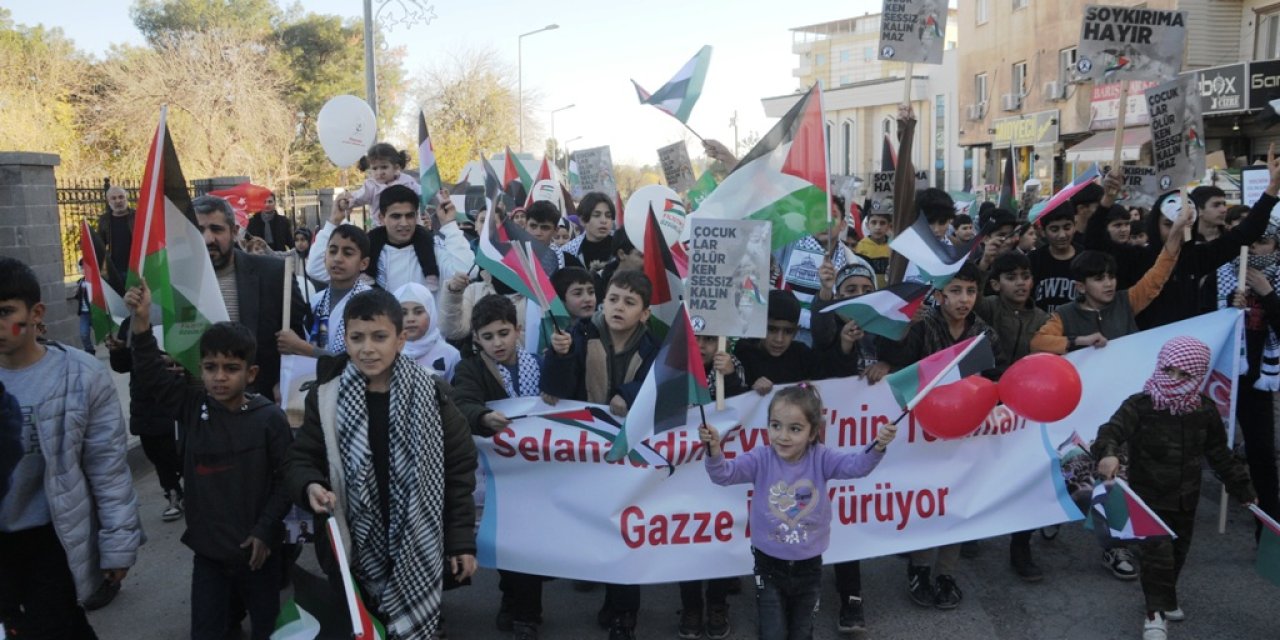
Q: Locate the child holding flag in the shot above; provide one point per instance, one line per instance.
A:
(792, 471)
(1169, 428)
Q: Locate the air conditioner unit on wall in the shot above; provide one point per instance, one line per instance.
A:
(1010, 102)
(977, 111)
(1054, 91)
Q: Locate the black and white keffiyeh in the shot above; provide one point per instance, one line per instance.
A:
(1269, 368)
(400, 568)
(336, 341)
(528, 371)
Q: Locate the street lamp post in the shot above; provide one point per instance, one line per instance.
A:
(555, 141)
(566, 154)
(520, 75)
(406, 13)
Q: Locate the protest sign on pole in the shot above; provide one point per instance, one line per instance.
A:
(1130, 43)
(1177, 132)
(1140, 187)
(913, 31)
(881, 192)
(595, 170)
(676, 166)
(1253, 182)
(728, 289)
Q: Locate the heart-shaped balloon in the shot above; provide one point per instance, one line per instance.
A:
(347, 129)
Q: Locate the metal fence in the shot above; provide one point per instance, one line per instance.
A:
(86, 200)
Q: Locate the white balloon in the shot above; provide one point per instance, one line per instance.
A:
(549, 190)
(347, 129)
(668, 208)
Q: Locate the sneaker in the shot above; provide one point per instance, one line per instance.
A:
(623, 627)
(1154, 628)
(1120, 562)
(174, 510)
(503, 620)
(525, 631)
(970, 550)
(1050, 532)
(1177, 615)
(690, 624)
(919, 586)
(947, 594)
(851, 619)
(718, 621)
(1023, 565)
(105, 593)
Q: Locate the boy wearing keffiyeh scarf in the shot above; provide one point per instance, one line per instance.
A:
(1169, 427)
(384, 451)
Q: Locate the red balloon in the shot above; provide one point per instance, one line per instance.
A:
(1041, 387)
(955, 410)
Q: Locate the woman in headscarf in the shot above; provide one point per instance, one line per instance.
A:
(423, 342)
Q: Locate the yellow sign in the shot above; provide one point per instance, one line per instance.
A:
(1025, 131)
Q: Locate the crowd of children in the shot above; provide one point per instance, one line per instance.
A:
(413, 343)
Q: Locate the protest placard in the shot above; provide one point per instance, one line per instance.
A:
(1177, 132)
(676, 166)
(1131, 43)
(1253, 182)
(913, 30)
(1140, 187)
(595, 170)
(728, 288)
(881, 192)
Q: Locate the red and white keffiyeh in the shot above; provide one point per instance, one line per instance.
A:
(1179, 397)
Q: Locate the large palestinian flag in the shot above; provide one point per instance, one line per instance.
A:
(674, 382)
(522, 262)
(1124, 514)
(664, 274)
(681, 92)
(961, 360)
(106, 308)
(936, 260)
(886, 312)
(783, 179)
(428, 172)
(170, 253)
(1064, 196)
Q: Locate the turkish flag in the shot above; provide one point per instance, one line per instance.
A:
(245, 198)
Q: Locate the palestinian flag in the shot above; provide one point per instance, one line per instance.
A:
(749, 285)
(106, 307)
(961, 360)
(599, 421)
(783, 179)
(1064, 196)
(1125, 515)
(1117, 63)
(428, 171)
(544, 173)
(575, 177)
(363, 624)
(886, 312)
(244, 198)
(681, 92)
(1268, 564)
(1008, 189)
(936, 261)
(492, 184)
(170, 253)
(513, 169)
(521, 262)
(664, 275)
(675, 381)
(701, 189)
(1073, 447)
(888, 157)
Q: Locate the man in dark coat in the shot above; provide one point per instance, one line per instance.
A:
(271, 226)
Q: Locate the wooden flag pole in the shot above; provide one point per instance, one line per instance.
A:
(287, 307)
(1241, 288)
(906, 83)
(1121, 115)
(1186, 231)
(721, 345)
(695, 133)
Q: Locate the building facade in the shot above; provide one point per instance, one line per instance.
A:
(861, 97)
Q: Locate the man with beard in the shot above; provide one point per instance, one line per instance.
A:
(115, 229)
(252, 287)
(269, 225)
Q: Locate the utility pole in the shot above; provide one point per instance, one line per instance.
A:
(733, 122)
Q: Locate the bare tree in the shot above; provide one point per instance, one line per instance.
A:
(227, 107)
(472, 106)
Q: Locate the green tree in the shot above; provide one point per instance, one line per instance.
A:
(241, 19)
(41, 77)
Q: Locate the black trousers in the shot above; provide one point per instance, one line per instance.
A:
(849, 579)
(691, 597)
(37, 592)
(1163, 559)
(162, 451)
(1255, 411)
(523, 593)
(213, 585)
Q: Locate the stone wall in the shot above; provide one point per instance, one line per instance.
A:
(30, 232)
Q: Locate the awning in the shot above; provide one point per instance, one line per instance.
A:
(1100, 147)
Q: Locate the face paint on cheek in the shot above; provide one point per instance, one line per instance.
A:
(18, 328)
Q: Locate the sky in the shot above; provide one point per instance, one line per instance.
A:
(587, 62)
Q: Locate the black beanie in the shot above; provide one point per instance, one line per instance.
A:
(784, 306)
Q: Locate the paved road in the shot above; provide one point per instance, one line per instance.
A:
(1223, 596)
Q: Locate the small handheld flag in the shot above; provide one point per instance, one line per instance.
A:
(428, 171)
(1126, 515)
(1268, 564)
(677, 97)
(963, 359)
(886, 312)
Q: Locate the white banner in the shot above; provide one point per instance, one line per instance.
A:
(553, 506)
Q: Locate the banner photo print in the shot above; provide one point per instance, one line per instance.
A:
(676, 166)
(595, 171)
(1141, 186)
(913, 30)
(728, 287)
(1130, 43)
(1177, 132)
